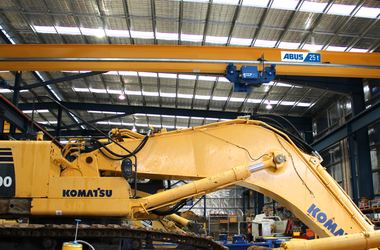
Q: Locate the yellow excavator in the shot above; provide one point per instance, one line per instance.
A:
(45, 182)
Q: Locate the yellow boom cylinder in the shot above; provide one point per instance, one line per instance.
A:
(200, 186)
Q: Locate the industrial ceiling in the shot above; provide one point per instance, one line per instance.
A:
(340, 25)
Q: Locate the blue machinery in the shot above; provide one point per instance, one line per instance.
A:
(249, 76)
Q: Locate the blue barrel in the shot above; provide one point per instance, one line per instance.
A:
(238, 239)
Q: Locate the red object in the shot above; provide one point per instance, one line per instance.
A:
(306, 237)
(289, 227)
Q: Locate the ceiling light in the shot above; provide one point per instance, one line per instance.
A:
(122, 97)
(312, 47)
(268, 106)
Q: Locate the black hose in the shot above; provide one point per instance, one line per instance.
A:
(172, 210)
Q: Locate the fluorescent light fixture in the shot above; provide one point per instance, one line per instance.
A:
(359, 50)
(230, 2)
(27, 111)
(202, 97)
(207, 78)
(142, 34)
(368, 12)
(313, 7)
(167, 75)
(285, 4)
(269, 106)
(336, 48)
(150, 93)
(153, 115)
(280, 84)
(163, 94)
(197, 1)
(48, 122)
(42, 110)
(168, 116)
(265, 43)
(122, 97)
(117, 33)
(167, 36)
(81, 89)
(98, 91)
(5, 90)
(94, 111)
(288, 45)
(241, 41)
(341, 9)
(197, 118)
(256, 3)
(187, 77)
(182, 117)
(212, 119)
(141, 125)
(216, 39)
(191, 38)
(181, 127)
(147, 74)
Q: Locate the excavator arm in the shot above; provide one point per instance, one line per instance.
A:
(239, 152)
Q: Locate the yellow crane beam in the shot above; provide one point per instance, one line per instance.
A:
(179, 59)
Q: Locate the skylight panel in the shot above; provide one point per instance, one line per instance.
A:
(167, 36)
(128, 92)
(230, 2)
(168, 116)
(128, 73)
(280, 84)
(191, 38)
(368, 12)
(141, 125)
(198, 1)
(147, 74)
(254, 100)
(187, 96)
(223, 79)
(81, 89)
(265, 43)
(150, 93)
(68, 30)
(94, 111)
(45, 29)
(114, 91)
(142, 34)
(256, 3)
(304, 104)
(181, 127)
(359, 50)
(167, 75)
(241, 41)
(216, 39)
(153, 115)
(197, 118)
(341, 9)
(117, 33)
(207, 78)
(236, 99)
(287, 103)
(187, 77)
(93, 32)
(202, 97)
(219, 98)
(312, 47)
(336, 48)
(287, 45)
(285, 4)
(42, 110)
(313, 7)
(7, 35)
(162, 94)
(182, 117)
(98, 91)
(111, 73)
(5, 90)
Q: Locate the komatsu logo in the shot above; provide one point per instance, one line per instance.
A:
(86, 193)
(322, 218)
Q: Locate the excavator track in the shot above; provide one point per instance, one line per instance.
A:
(52, 232)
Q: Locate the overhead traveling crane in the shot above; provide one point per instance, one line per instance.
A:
(183, 59)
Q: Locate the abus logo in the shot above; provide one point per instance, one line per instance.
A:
(293, 57)
(322, 218)
(86, 193)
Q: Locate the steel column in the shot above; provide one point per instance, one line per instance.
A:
(16, 98)
(59, 122)
(363, 150)
(354, 183)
